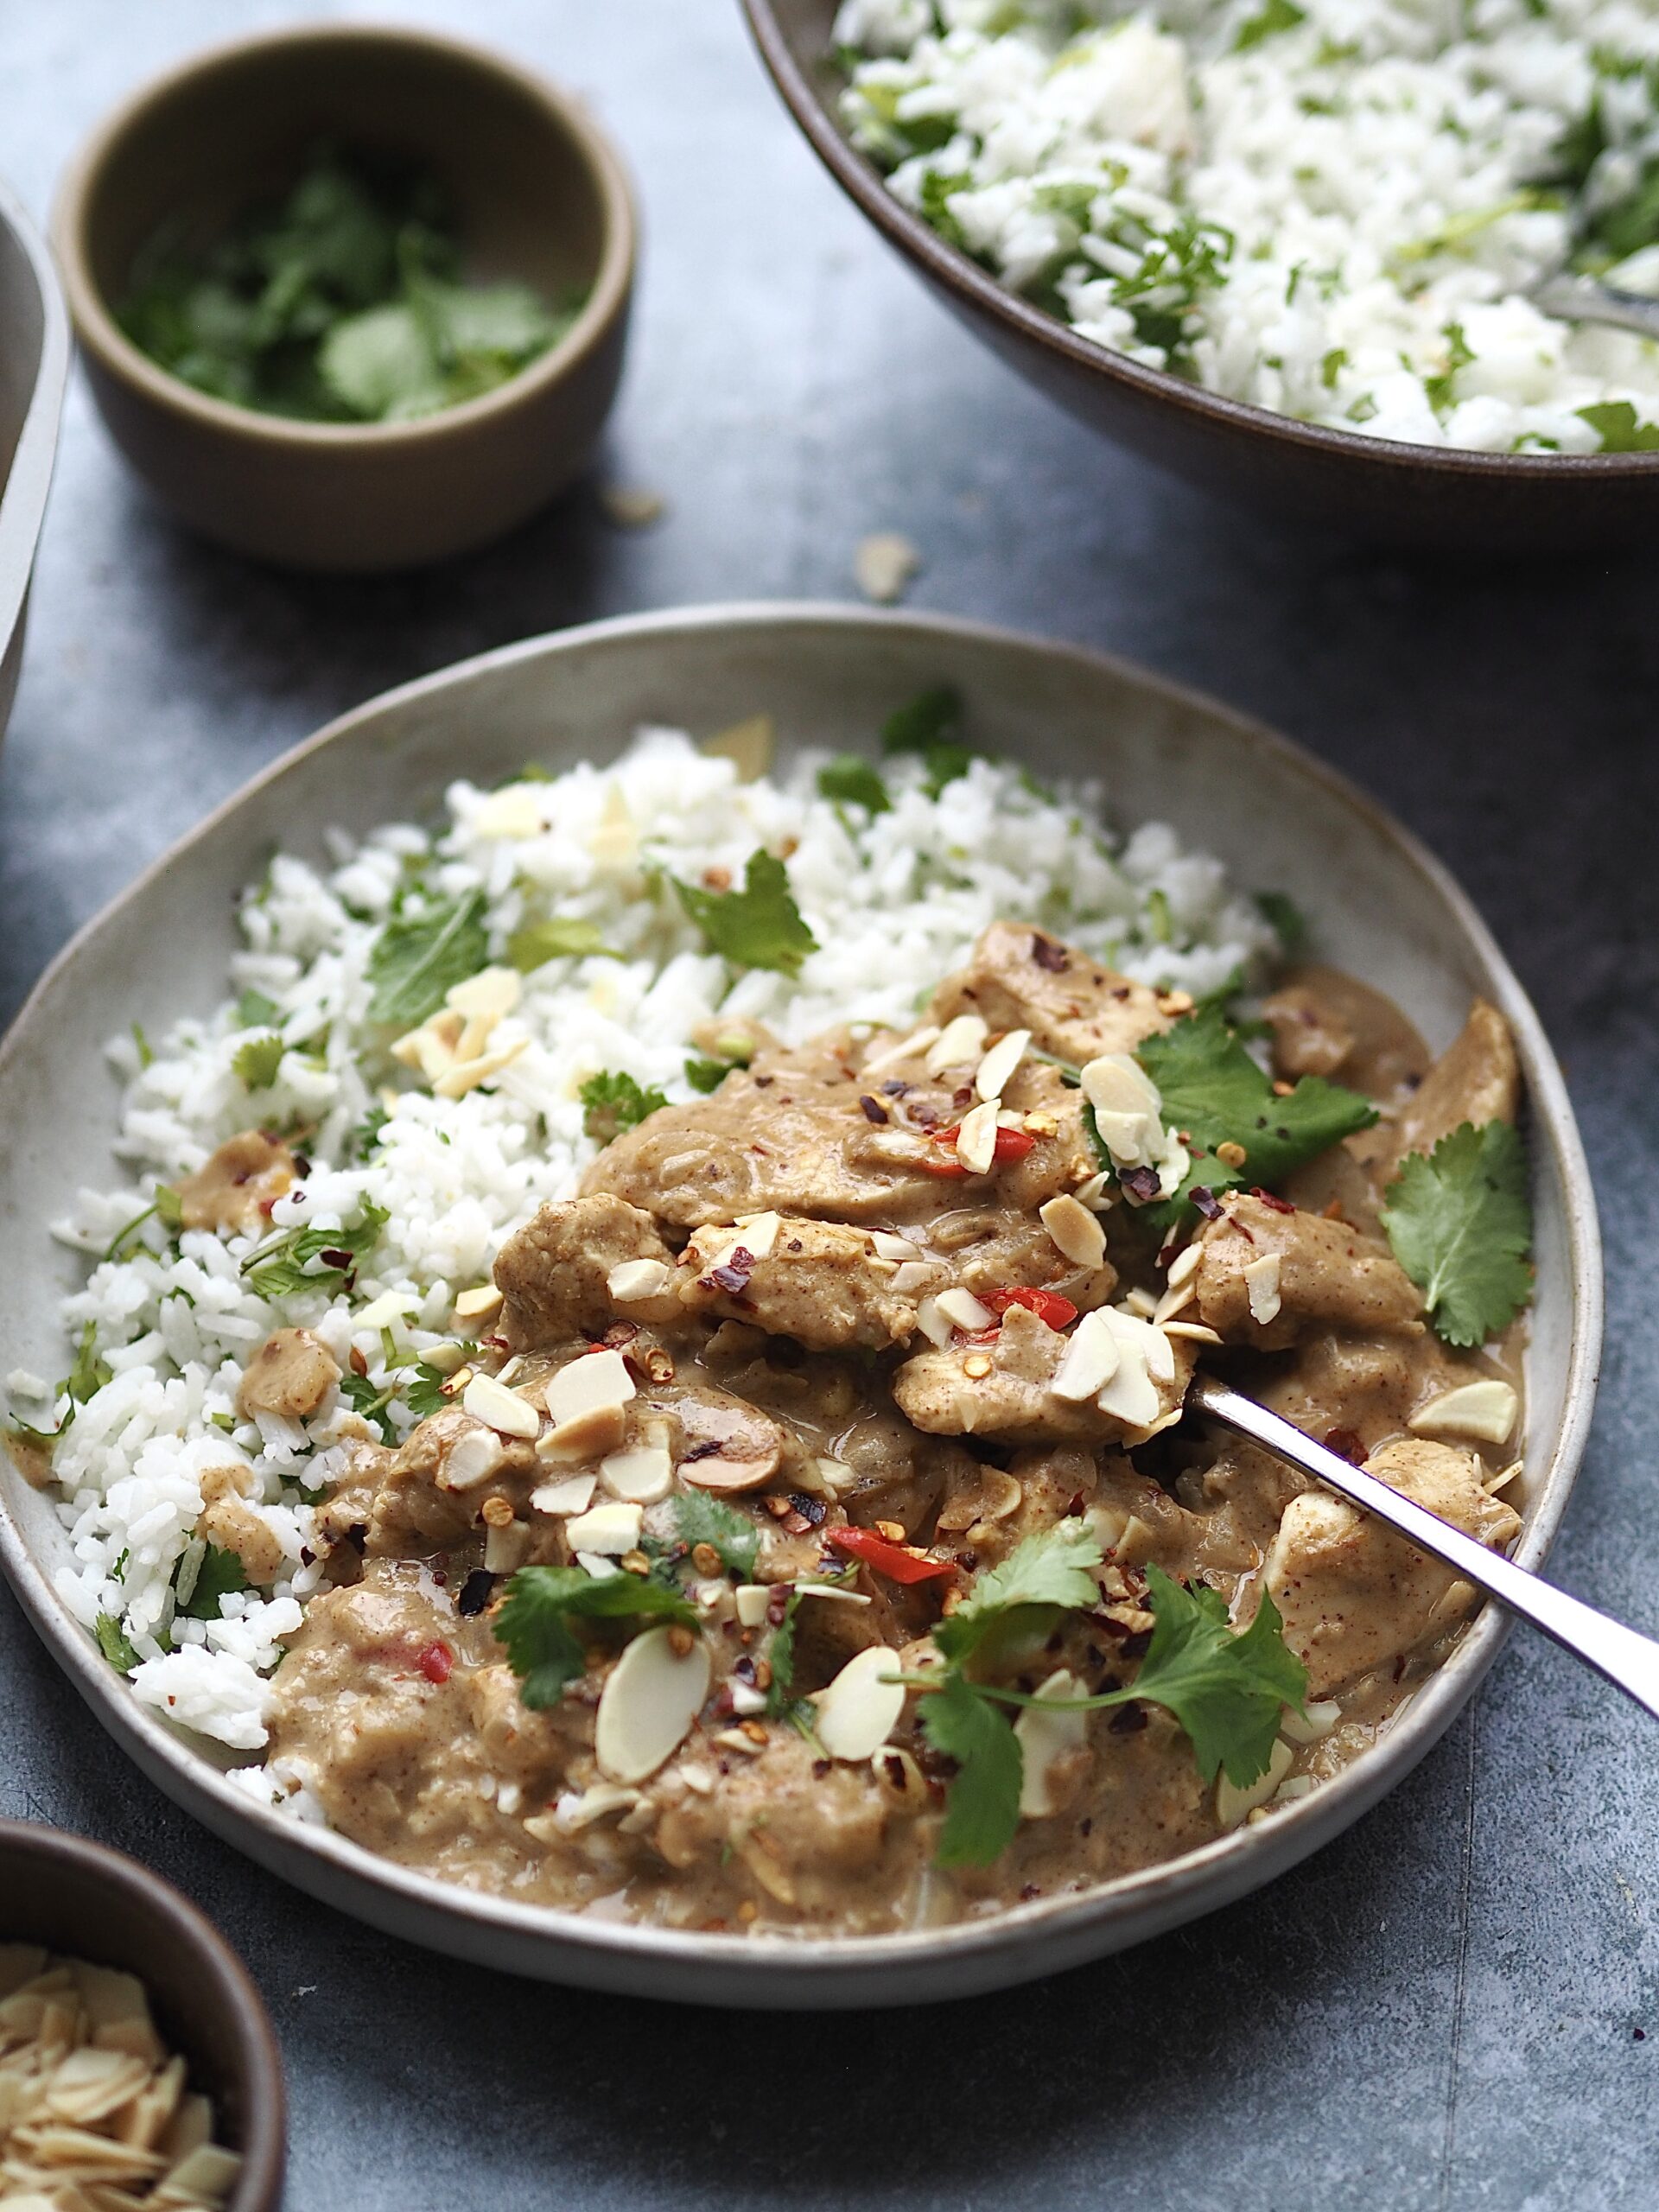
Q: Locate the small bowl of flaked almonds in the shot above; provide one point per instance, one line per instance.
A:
(138, 2072)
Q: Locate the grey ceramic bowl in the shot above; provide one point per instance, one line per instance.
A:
(34, 363)
(829, 675)
(540, 196)
(77, 1898)
(1421, 496)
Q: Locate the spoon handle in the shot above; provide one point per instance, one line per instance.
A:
(1628, 1660)
(1582, 299)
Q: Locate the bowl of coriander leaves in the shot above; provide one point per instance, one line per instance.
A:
(350, 298)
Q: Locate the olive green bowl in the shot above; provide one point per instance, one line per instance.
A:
(540, 196)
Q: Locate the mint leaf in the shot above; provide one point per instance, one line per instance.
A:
(853, 780)
(112, 1643)
(540, 1603)
(565, 937)
(1056, 1567)
(1214, 1093)
(1227, 1691)
(256, 1062)
(219, 1573)
(1460, 1224)
(982, 1803)
(614, 1101)
(414, 963)
(701, 1519)
(758, 926)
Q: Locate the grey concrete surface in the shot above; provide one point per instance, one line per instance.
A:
(1447, 2008)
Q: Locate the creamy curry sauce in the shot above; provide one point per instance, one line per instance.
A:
(808, 1379)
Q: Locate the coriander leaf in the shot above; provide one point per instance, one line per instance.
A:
(1214, 1093)
(708, 1075)
(780, 1657)
(1286, 919)
(256, 1062)
(758, 926)
(1056, 1567)
(87, 1373)
(1227, 1691)
(930, 725)
(614, 1101)
(982, 1805)
(381, 365)
(282, 1265)
(219, 1573)
(1614, 421)
(366, 1135)
(1277, 16)
(702, 1519)
(112, 1643)
(169, 1208)
(852, 780)
(1460, 1224)
(540, 1603)
(371, 1400)
(414, 962)
(562, 938)
(255, 1011)
(424, 1392)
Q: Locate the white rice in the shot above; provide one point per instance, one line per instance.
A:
(894, 901)
(1332, 208)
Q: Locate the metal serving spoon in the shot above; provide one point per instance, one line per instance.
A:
(1586, 299)
(1628, 1661)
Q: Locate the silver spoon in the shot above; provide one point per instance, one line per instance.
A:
(1628, 1661)
(1586, 299)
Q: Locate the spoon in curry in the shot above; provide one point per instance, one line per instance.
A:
(1628, 1660)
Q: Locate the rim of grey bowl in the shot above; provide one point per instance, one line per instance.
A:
(99, 331)
(960, 274)
(769, 1970)
(258, 2057)
(22, 504)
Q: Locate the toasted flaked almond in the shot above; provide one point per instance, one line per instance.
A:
(834, 1592)
(1262, 1287)
(574, 1811)
(515, 812)
(1141, 1305)
(858, 1712)
(651, 1698)
(494, 991)
(1483, 1411)
(963, 1310)
(574, 1494)
(1090, 1360)
(1172, 1302)
(1321, 1718)
(912, 1275)
(463, 1076)
(883, 564)
(752, 1599)
(934, 1325)
(976, 1138)
(1232, 1804)
(386, 1311)
(445, 1358)
(748, 746)
(635, 1279)
(1077, 1233)
(991, 1078)
(886, 1246)
(610, 1528)
(1183, 1266)
(597, 1378)
(758, 1234)
(475, 1455)
(902, 1048)
(506, 1549)
(1194, 1332)
(959, 1043)
(641, 1476)
(504, 1410)
(1131, 1395)
(1045, 1733)
(593, 1435)
(480, 1305)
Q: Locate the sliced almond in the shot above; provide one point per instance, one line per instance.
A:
(1483, 1411)
(912, 1275)
(1047, 1732)
(1232, 1804)
(641, 1476)
(1173, 1301)
(1321, 1716)
(494, 991)
(575, 1811)
(858, 1712)
(386, 1311)
(466, 1075)
(749, 746)
(635, 1279)
(903, 1049)
(886, 1246)
(1090, 1361)
(1184, 1265)
(475, 1456)
(751, 1600)
(482, 1304)
(963, 1310)
(597, 1378)
(1194, 1332)
(574, 1495)
(515, 812)
(1262, 1287)
(502, 1409)
(650, 1699)
(610, 1530)
(976, 1138)
(958, 1043)
(1077, 1233)
(591, 1436)
(993, 1073)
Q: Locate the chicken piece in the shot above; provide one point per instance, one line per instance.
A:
(291, 1374)
(1356, 1598)
(1309, 1037)
(1005, 1388)
(820, 1282)
(556, 1272)
(229, 1521)
(1074, 1007)
(1476, 1078)
(993, 1510)
(1267, 1277)
(430, 1491)
(233, 1193)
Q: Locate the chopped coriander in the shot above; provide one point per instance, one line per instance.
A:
(424, 1393)
(256, 1063)
(701, 1519)
(255, 1011)
(1616, 424)
(852, 780)
(169, 1208)
(219, 1573)
(112, 1643)
(982, 1804)
(282, 1266)
(414, 963)
(365, 1136)
(760, 925)
(1441, 388)
(1286, 919)
(1056, 1567)
(372, 1402)
(121, 1245)
(88, 1373)
(706, 1076)
(931, 724)
(614, 1101)
(780, 1657)
(1275, 16)
(534, 1619)
(1460, 1222)
(1160, 926)
(146, 1053)
(560, 937)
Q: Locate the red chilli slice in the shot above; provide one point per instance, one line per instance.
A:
(1047, 1304)
(897, 1562)
(435, 1661)
(1011, 1144)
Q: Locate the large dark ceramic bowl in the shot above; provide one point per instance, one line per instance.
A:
(1424, 496)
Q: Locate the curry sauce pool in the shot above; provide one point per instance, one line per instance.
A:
(775, 1515)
